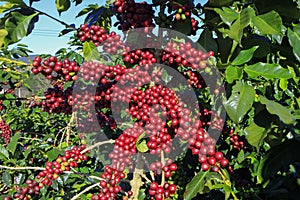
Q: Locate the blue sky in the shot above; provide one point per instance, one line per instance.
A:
(44, 38)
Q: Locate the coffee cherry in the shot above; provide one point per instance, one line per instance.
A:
(205, 166)
(224, 162)
(218, 155)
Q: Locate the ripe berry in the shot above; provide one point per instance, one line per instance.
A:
(224, 162)
(205, 166)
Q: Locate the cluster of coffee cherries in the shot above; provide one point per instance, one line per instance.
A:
(158, 192)
(95, 71)
(145, 107)
(203, 145)
(5, 131)
(133, 15)
(183, 54)
(182, 12)
(102, 76)
(194, 78)
(71, 158)
(139, 57)
(111, 41)
(212, 119)
(131, 80)
(125, 146)
(57, 100)
(32, 188)
(109, 185)
(168, 168)
(54, 69)
(237, 141)
(94, 33)
(163, 20)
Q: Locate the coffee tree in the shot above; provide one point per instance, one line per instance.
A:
(185, 101)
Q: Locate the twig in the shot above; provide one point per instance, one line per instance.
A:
(67, 130)
(21, 168)
(55, 19)
(86, 175)
(55, 139)
(97, 145)
(22, 98)
(25, 138)
(147, 164)
(208, 8)
(163, 172)
(145, 177)
(85, 190)
(42, 168)
(136, 182)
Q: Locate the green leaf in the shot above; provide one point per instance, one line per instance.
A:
(226, 188)
(255, 135)
(3, 34)
(277, 109)
(10, 96)
(90, 51)
(27, 152)
(236, 30)
(213, 175)
(165, 76)
(227, 15)
(294, 39)
(195, 186)
(53, 154)
(207, 41)
(62, 5)
(6, 103)
(6, 7)
(283, 84)
(244, 56)
(13, 143)
(267, 71)
(6, 178)
(88, 9)
(142, 146)
(19, 25)
(9, 61)
(233, 73)
(19, 2)
(55, 185)
(67, 84)
(142, 194)
(4, 152)
(268, 23)
(241, 156)
(240, 101)
(277, 158)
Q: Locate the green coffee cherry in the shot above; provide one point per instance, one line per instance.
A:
(183, 17)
